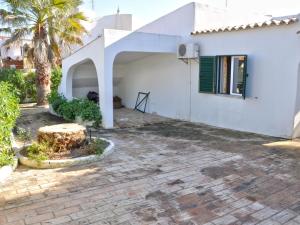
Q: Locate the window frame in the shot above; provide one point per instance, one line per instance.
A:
(217, 77)
(231, 74)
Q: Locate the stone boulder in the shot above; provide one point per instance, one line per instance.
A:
(62, 137)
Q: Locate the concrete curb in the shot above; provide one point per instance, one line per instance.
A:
(51, 164)
(6, 171)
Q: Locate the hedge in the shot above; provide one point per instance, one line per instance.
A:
(87, 110)
(9, 112)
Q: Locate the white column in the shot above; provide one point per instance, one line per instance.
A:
(105, 80)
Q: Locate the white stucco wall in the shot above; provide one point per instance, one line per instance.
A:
(179, 22)
(208, 17)
(271, 86)
(198, 16)
(116, 21)
(164, 77)
(272, 82)
(94, 51)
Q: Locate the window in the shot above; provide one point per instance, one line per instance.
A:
(223, 74)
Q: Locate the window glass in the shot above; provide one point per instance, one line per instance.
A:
(237, 74)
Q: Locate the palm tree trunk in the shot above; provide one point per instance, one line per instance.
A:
(43, 72)
(42, 66)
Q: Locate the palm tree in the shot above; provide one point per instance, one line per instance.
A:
(52, 25)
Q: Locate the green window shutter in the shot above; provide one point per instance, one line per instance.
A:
(207, 74)
(245, 78)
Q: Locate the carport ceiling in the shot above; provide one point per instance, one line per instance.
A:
(127, 57)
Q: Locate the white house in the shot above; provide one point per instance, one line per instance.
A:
(200, 64)
(14, 56)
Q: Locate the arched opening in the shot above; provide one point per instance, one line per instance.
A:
(82, 79)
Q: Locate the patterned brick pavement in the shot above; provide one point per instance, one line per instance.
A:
(165, 173)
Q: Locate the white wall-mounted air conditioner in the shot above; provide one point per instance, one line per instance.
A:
(188, 51)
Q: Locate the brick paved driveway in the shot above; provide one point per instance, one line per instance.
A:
(165, 173)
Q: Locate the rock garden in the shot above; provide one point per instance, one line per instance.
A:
(42, 137)
(63, 145)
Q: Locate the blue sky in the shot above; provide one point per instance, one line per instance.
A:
(148, 10)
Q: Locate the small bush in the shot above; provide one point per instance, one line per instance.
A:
(56, 76)
(69, 110)
(16, 79)
(23, 83)
(39, 151)
(56, 100)
(6, 158)
(23, 134)
(30, 86)
(9, 112)
(87, 110)
(97, 146)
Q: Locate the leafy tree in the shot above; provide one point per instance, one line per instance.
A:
(53, 26)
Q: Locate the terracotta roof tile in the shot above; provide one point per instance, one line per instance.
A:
(272, 22)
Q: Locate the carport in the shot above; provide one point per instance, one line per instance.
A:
(91, 68)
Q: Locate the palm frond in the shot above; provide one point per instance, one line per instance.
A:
(13, 19)
(5, 30)
(54, 25)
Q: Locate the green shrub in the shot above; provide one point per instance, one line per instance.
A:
(69, 110)
(16, 79)
(9, 112)
(39, 151)
(6, 158)
(56, 100)
(23, 83)
(97, 146)
(87, 110)
(30, 86)
(56, 76)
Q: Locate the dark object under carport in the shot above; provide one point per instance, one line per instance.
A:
(93, 96)
(117, 102)
(142, 100)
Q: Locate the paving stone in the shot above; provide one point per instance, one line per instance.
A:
(167, 172)
(225, 220)
(297, 219)
(284, 216)
(264, 213)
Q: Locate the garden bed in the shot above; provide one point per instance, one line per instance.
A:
(76, 156)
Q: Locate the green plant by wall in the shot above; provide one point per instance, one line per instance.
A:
(69, 110)
(9, 112)
(56, 76)
(6, 157)
(87, 110)
(56, 100)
